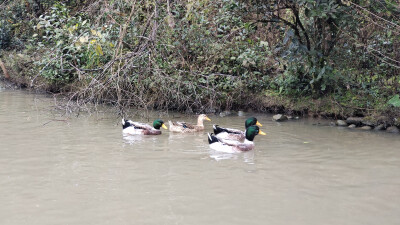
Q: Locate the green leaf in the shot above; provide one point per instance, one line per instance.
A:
(394, 101)
(321, 73)
(99, 50)
(323, 87)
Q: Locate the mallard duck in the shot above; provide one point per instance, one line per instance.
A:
(183, 127)
(130, 127)
(235, 146)
(235, 134)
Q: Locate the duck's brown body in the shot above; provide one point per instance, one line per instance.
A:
(183, 127)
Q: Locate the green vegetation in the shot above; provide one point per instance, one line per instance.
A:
(332, 57)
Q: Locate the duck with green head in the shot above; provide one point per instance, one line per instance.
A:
(235, 134)
(137, 128)
(232, 146)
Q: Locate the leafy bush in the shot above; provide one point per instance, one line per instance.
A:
(74, 45)
(210, 54)
(5, 34)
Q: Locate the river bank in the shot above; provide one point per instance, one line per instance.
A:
(340, 114)
(208, 56)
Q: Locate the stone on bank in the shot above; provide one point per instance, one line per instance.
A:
(279, 118)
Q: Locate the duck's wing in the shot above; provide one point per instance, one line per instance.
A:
(177, 124)
(229, 142)
(218, 129)
(230, 146)
(141, 126)
(185, 125)
(237, 145)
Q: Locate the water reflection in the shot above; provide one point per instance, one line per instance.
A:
(248, 157)
(194, 143)
(132, 139)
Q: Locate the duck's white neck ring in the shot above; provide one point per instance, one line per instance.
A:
(248, 142)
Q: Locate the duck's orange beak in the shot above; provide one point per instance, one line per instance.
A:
(208, 118)
(259, 124)
(165, 127)
(262, 133)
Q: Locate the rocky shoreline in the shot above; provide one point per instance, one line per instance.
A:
(390, 122)
(381, 123)
(366, 123)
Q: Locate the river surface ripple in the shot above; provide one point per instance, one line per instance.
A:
(57, 169)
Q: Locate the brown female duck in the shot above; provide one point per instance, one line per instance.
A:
(183, 127)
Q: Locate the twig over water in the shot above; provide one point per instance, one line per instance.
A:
(55, 120)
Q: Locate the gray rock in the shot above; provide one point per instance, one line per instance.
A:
(332, 124)
(354, 120)
(379, 127)
(279, 117)
(366, 128)
(227, 113)
(352, 126)
(368, 123)
(210, 110)
(341, 123)
(396, 122)
(240, 113)
(392, 130)
(383, 120)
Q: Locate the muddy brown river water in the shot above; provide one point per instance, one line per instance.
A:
(84, 171)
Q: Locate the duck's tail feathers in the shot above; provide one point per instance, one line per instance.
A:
(212, 138)
(217, 129)
(125, 123)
